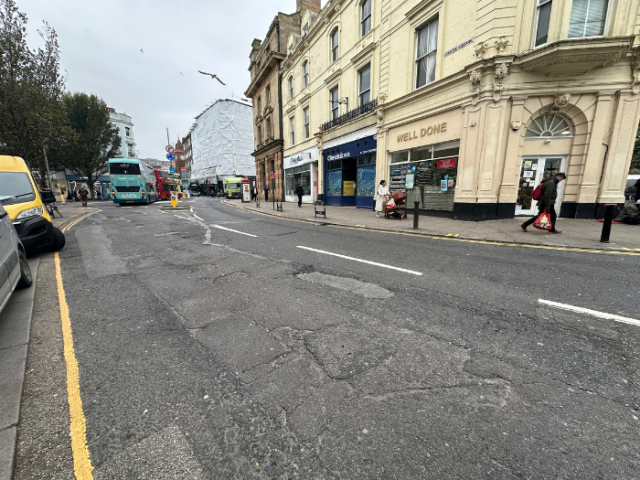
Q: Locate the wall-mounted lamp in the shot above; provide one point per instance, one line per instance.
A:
(547, 141)
(342, 101)
(473, 124)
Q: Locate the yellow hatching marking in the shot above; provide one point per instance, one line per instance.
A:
(78, 430)
(464, 240)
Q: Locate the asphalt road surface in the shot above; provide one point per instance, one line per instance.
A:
(222, 344)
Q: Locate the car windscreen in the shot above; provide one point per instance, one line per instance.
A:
(15, 187)
(232, 185)
(124, 169)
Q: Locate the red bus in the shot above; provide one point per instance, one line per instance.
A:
(166, 184)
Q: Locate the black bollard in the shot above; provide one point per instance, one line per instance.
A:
(606, 225)
(416, 215)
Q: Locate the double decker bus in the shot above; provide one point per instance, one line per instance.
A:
(132, 181)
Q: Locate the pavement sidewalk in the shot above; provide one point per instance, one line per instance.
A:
(581, 234)
(15, 330)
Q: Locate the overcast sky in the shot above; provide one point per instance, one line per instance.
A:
(100, 44)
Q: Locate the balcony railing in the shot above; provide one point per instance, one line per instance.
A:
(350, 115)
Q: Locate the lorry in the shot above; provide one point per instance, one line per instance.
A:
(232, 187)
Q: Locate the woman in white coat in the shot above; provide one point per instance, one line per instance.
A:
(383, 196)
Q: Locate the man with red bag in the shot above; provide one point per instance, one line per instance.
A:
(547, 202)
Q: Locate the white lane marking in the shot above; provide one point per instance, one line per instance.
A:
(234, 231)
(202, 220)
(593, 313)
(361, 261)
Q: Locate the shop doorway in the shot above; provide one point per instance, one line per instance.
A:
(533, 172)
(341, 182)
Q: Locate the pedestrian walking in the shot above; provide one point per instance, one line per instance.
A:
(548, 201)
(266, 193)
(255, 193)
(383, 196)
(299, 193)
(75, 196)
(84, 196)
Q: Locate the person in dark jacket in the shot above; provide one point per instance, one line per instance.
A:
(299, 193)
(548, 201)
(266, 193)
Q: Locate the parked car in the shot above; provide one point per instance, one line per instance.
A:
(14, 268)
(26, 206)
(630, 188)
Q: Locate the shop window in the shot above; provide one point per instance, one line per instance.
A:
(365, 17)
(588, 18)
(306, 122)
(335, 106)
(291, 87)
(334, 44)
(544, 15)
(365, 85)
(399, 157)
(298, 176)
(426, 53)
(334, 165)
(305, 73)
(549, 125)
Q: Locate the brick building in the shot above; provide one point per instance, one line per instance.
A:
(264, 90)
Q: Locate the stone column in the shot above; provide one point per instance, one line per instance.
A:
(511, 171)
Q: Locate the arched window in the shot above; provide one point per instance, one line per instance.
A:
(305, 73)
(549, 125)
(334, 45)
(365, 17)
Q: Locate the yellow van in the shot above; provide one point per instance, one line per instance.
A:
(24, 204)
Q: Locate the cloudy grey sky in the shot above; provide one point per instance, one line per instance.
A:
(101, 40)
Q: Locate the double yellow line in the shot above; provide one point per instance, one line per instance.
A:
(78, 428)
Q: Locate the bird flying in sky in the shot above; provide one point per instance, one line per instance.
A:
(212, 76)
(142, 50)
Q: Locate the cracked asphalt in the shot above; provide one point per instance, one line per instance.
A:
(208, 354)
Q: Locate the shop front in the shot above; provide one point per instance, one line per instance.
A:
(302, 169)
(350, 173)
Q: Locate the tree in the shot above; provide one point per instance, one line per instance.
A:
(635, 158)
(31, 90)
(92, 140)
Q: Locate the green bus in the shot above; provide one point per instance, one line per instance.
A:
(132, 181)
(233, 187)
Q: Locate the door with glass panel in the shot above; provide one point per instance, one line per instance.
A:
(533, 172)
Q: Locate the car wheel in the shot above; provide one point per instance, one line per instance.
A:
(58, 241)
(26, 279)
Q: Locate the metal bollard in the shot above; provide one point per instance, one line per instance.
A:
(416, 215)
(606, 225)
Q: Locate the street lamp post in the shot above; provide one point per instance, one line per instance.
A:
(46, 162)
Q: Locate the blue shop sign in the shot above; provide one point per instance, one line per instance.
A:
(364, 146)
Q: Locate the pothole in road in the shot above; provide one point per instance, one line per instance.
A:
(367, 290)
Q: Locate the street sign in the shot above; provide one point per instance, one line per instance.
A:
(184, 174)
(169, 148)
(171, 156)
(273, 175)
(172, 170)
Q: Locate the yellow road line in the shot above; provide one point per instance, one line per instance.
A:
(78, 430)
(75, 221)
(635, 252)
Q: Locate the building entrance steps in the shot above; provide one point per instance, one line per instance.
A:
(578, 234)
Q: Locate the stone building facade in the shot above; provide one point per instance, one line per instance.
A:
(265, 92)
(467, 106)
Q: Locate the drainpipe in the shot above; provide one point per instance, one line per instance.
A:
(280, 115)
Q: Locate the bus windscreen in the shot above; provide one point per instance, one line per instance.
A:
(124, 169)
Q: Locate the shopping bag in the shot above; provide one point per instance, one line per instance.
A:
(391, 203)
(543, 222)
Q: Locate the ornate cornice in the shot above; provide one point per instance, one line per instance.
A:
(366, 49)
(333, 76)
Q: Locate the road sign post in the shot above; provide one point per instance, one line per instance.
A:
(169, 149)
(171, 157)
(174, 199)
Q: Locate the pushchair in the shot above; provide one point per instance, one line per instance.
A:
(399, 210)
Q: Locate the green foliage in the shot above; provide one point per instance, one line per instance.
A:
(635, 158)
(92, 139)
(31, 89)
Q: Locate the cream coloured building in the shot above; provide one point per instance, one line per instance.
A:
(466, 105)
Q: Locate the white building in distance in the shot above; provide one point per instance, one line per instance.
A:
(124, 124)
(222, 142)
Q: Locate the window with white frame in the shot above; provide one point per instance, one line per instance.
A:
(365, 17)
(306, 122)
(291, 87)
(542, 28)
(334, 45)
(426, 52)
(305, 73)
(335, 106)
(365, 85)
(292, 130)
(588, 18)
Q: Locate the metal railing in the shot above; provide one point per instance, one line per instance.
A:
(350, 115)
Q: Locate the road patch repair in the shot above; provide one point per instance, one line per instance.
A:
(358, 287)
